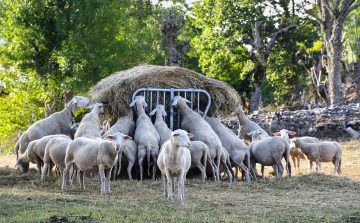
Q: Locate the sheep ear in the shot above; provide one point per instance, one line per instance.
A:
(153, 112)
(132, 103)
(186, 100)
(144, 103)
(126, 137)
(175, 102)
(250, 133)
(276, 134)
(190, 135)
(164, 113)
(109, 137)
(73, 101)
(292, 133)
(90, 107)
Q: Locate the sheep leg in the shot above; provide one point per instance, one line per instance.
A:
(243, 168)
(44, 172)
(107, 175)
(49, 169)
(66, 172)
(141, 156)
(280, 168)
(252, 168)
(165, 184)
(115, 167)
(294, 161)
(119, 162)
(102, 177)
(298, 163)
(81, 179)
(339, 169)
(154, 156)
(318, 167)
(217, 166)
(170, 181)
(262, 171)
(202, 170)
(226, 170)
(181, 185)
(38, 165)
(131, 164)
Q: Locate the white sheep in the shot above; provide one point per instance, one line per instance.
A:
(90, 124)
(35, 153)
(146, 136)
(57, 123)
(160, 125)
(55, 152)
(93, 156)
(129, 150)
(246, 125)
(321, 152)
(269, 152)
(174, 161)
(125, 125)
(295, 153)
(202, 131)
(200, 151)
(237, 149)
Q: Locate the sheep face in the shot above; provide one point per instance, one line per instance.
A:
(160, 108)
(284, 133)
(181, 138)
(255, 134)
(118, 139)
(24, 166)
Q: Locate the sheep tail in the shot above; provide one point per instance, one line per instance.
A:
(148, 150)
(17, 150)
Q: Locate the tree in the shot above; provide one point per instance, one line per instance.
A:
(331, 17)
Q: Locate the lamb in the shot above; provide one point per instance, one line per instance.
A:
(129, 149)
(57, 123)
(125, 125)
(174, 161)
(55, 152)
(146, 136)
(202, 131)
(269, 152)
(93, 156)
(160, 125)
(90, 124)
(246, 126)
(321, 152)
(236, 148)
(295, 153)
(198, 151)
(35, 153)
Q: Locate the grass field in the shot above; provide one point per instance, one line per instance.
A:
(305, 197)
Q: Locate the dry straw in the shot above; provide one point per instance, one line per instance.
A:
(116, 90)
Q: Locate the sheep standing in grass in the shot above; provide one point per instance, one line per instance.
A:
(93, 156)
(160, 125)
(90, 124)
(321, 152)
(55, 152)
(57, 123)
(269, 152)
(35, 153)
(198, 151)
(247, 126)
(174, 161)
(125, 125)
(295, 153)
(238, 151)
(146, 136)
(202, 131)
(129, 150)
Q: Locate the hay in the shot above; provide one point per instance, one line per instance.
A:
(116, 90)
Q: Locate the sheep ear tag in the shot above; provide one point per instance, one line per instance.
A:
(276, 134)
(190, 135)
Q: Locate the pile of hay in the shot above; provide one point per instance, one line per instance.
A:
(116, 90)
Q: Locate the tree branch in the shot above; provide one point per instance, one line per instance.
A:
(354, 7)
(337, 4)
(277, 35)
(310, 13)
(249, 41)
(326, 3)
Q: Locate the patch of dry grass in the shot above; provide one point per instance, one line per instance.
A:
(305, 197)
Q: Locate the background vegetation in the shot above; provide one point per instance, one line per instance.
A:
(51, 50)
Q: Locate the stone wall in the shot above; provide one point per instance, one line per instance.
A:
(317, 121)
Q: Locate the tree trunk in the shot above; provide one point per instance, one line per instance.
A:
(259, 76)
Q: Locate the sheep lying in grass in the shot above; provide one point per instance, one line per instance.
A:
(125, 125)
(35, 153)
(269, 152)
(93, 156)
(129, 150)
(174, 161)
(160, 125)
(202, 131)
(321, 152)
(237, 149)
(57, 123)
(55, 152)
(246, 126)
(146, 136)
(90, 124)
(198, 151)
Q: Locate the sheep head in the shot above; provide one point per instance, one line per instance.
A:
(117, 139)
(77, 102)
(140, 99)
(181, 138)
(284, 133)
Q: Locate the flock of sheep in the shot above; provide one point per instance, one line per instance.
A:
(85, 148)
